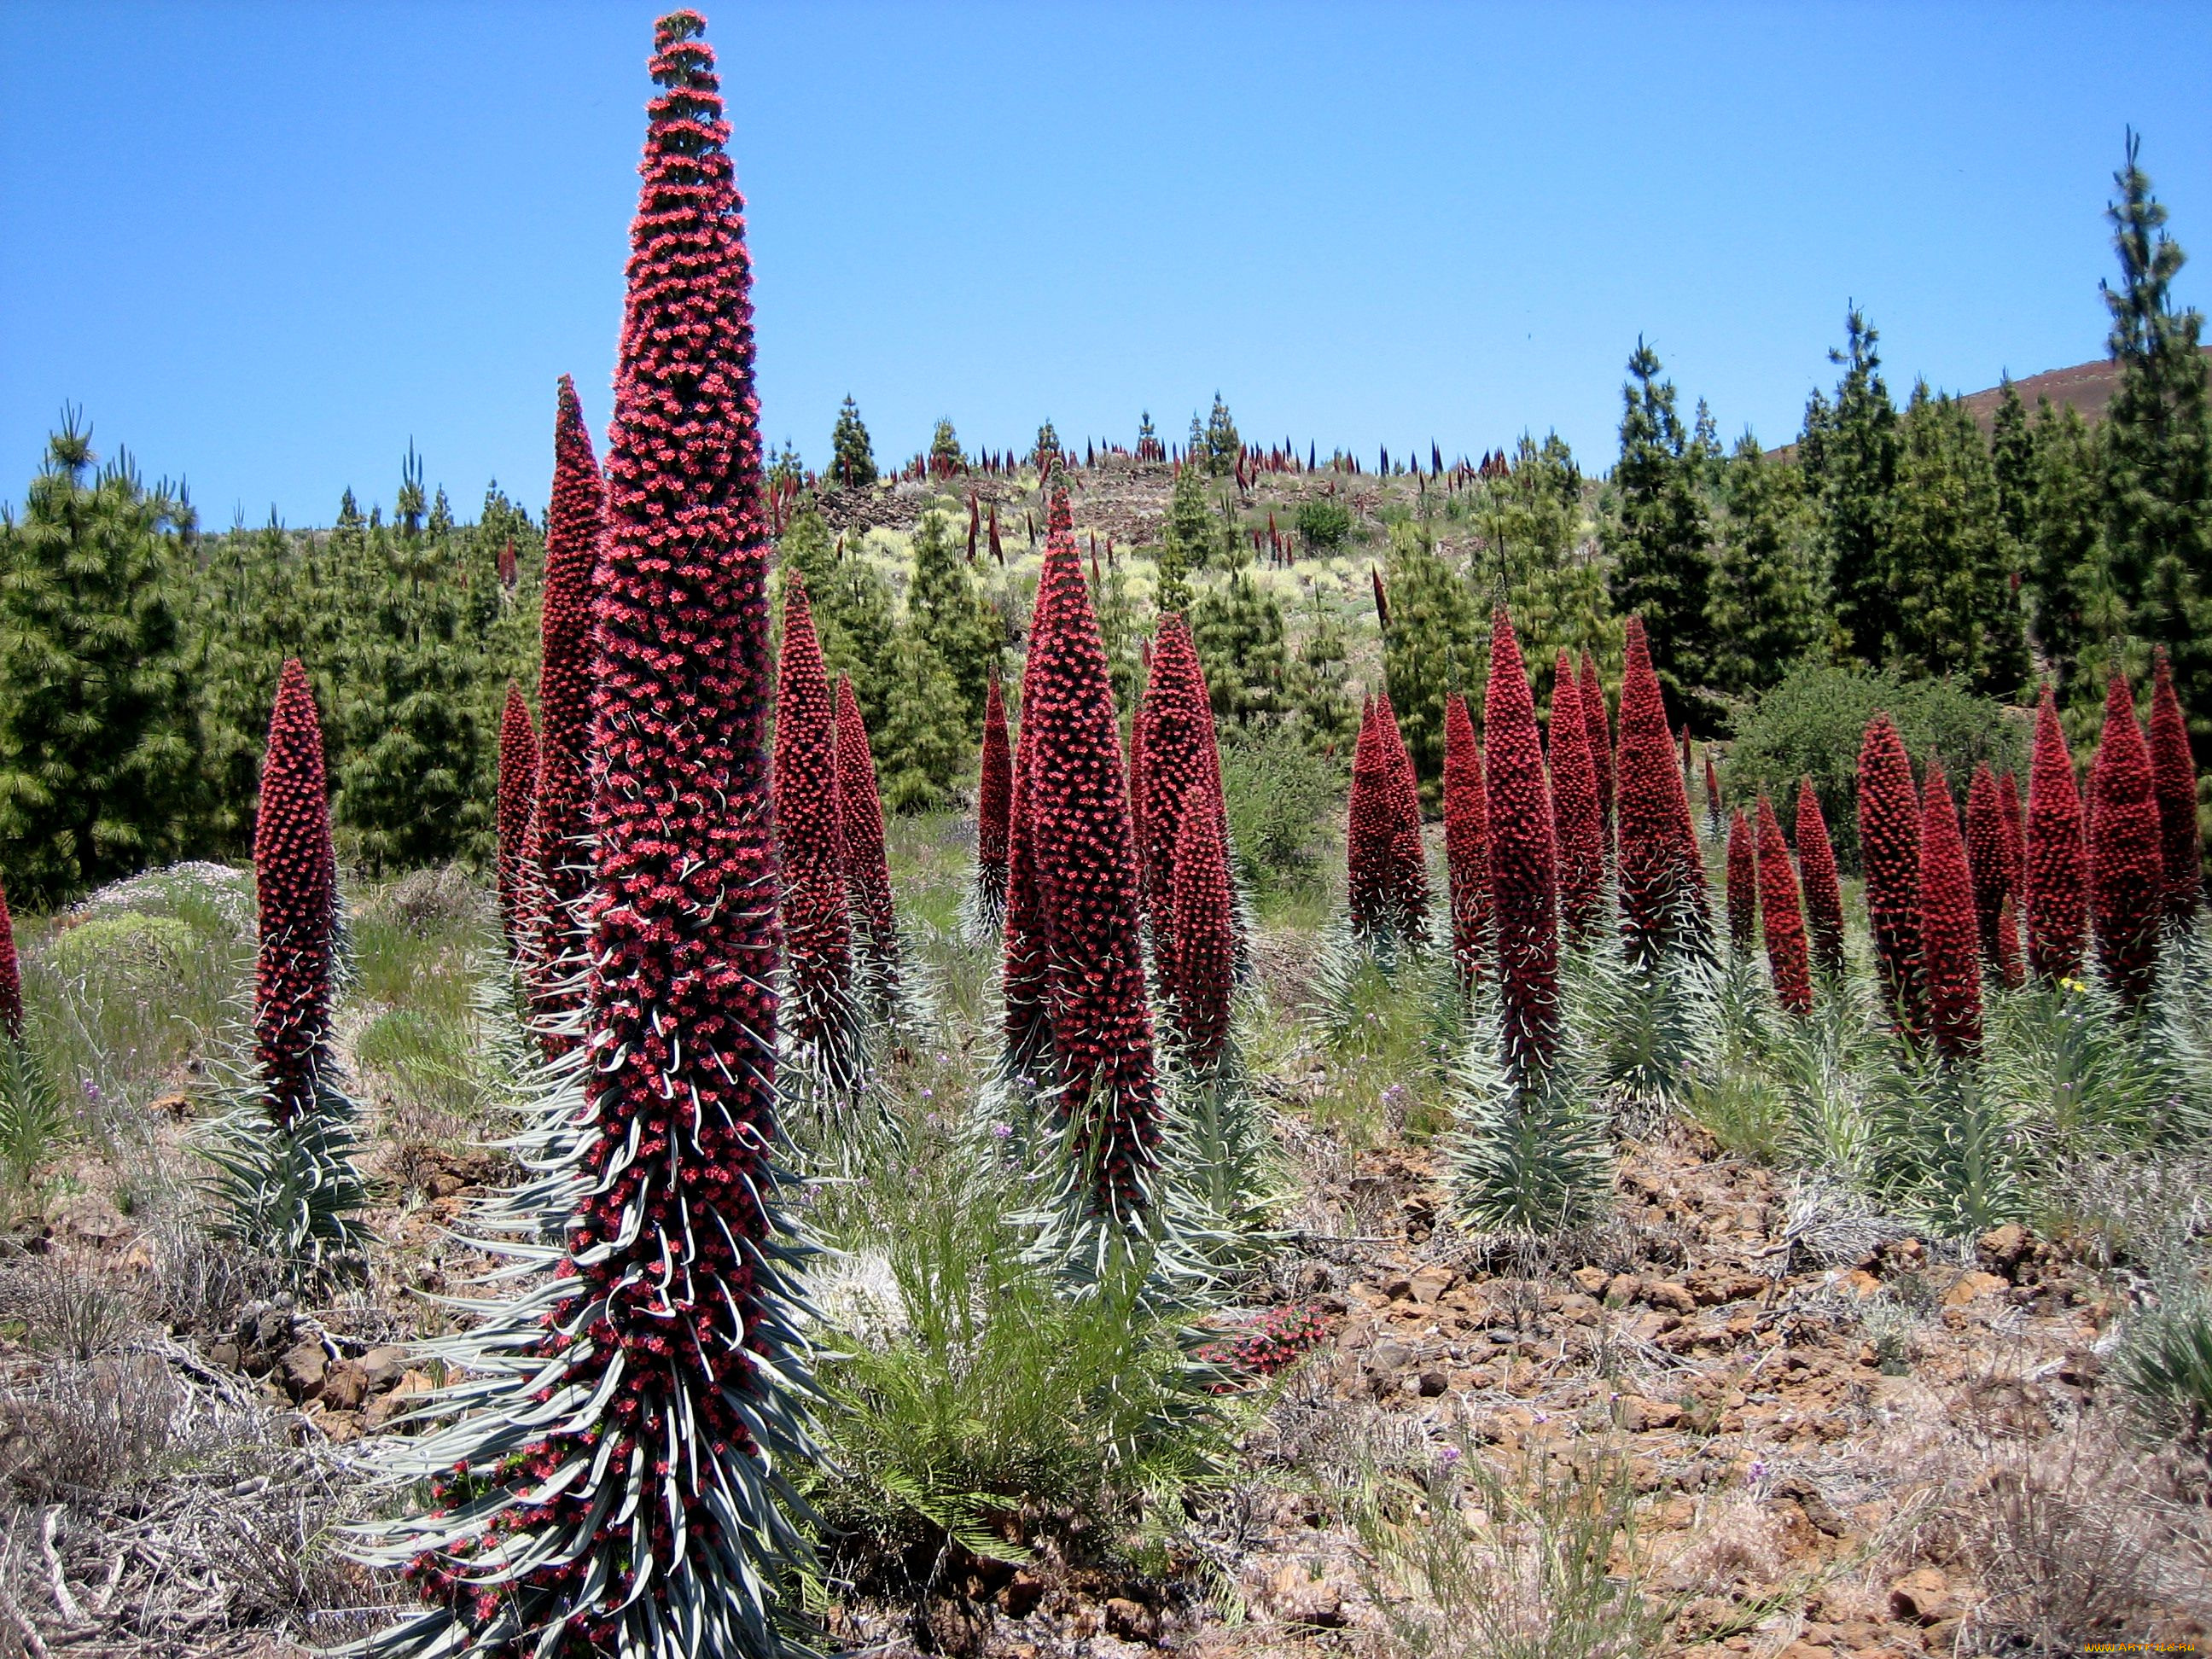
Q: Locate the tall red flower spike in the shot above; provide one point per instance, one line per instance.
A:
(818, 940)
(1134, 769)
(860, 826)
(1824, 894)
(1467, 841)
(1181, 766)
(1523, 860)
(518, 786)
(1988, 857)
(1599, 725)
(1204, 932)
(1742, 890)
(1025, 972)
(11, 975)
(1949, 948)
(1577, 826)
(2127, 863)
(1712, 793)
(1087, 858)
(656, 1382)
(1778, 909)
(1660, 873)
(2015, 837)
(2055, 864)
(1889, 846)
(1409, 865)
(1372, 828)
(994, 801)
(295, 882)
(559, 866)
(2174, 772)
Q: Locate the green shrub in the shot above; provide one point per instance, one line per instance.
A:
(1812, 724)
(1324, 525)
(2165, 1366)
(1280, 794)
(126, 945)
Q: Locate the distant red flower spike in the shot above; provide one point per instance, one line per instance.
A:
(507, 566)
(1599, 725)
(517, 788)
(1742, 891)
(1577, 824)
(860, 825)
(1372, 828)
(1824, 896)
(2175, 774)
(994, 790)
(1467, 841)
(1779, 910)
(1987, 859)
(2015, 836)
(2054, 864)
(1890, 816)
(1949, 949)
(816, 925)
(2127, 863)
(11, 975)
(1381, 600)
(1204, 932)
(1409, 866)
(295, 885)
(1712, 793)
(1133, 767)
(1181, 766)
(1523, 860)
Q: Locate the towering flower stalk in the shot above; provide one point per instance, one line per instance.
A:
(2127, 863)
(1409, 866)
(558, 867)
(1988, 860)
(1712, 795)
(994, 799)
(1889, 846)
(867, 867)
(1085, 854)
(1577, 824)
(1180, 766)
(2015, 822)
(1598, 724)
(2173, 772)
(295, 884)
(1026, 1056)
(1742, 890)
(1467, 843)
(1205, 940)
(11, 976)
(616, 1480)
(1372, 828)
(1949, 949)
(1824, 894)
(518, 786)
(2054, 862)
(1779, 910)
(1662, 882)
(1523, 861)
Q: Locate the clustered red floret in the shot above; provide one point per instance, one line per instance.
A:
(1597, 724)
(1889, 849)
(1467, 843)
(1523, 860)
(860, 830)
(1205, 933)
(1824, 894)
(1990, 861)
(1372, 828)
(1778, 909)
(1177, 768)
(1741, 895)
(1577, 824)
(2174, 777)
(1276, 1341)
(2127, 864)
(1408, 864)
(1950, 968)
(1661, 878)
(295, 884)
(2053, 861)
(817, 943)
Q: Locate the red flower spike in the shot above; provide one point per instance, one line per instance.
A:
(1467, 841)
(1712, 793)
(1205, 940)
(1779, 910)
(816, 928)
(1658, 861)
(1599, 727)
(2054, 865)
(517, 788)
(2127, 862)
(1409, 866)
(1889, 841)
(554, 876)
(1577, 826)
(994, 799)
(1087, 880)
(1372, 830)
(2015, 837)
(1523, 860)
(860, 824)
(295, 884)
(2173, 774)
(1180, 766)
(1025, 972)
(1987, 860)
(11, 975)
(1950, 963)
(1742, 891)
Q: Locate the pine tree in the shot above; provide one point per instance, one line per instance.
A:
(1765, 619)
(1850, 450)
(851, 605)
(1044, 454)
(853, 458)
(946, 455)
(1186, 539)
(99, 751)
(2063, 577)
(2012, 459)
(1223, 445)
(944, 604)
(921, 737)
(1120, 632)
(1660, 541)
(1430, 647)
(1238, 627)
(1320, 688)
(1950, 561)
(2158, 450)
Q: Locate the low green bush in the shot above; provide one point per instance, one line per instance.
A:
(1324, 525)
(1280, 795)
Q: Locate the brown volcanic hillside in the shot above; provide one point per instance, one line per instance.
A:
(2088, 386)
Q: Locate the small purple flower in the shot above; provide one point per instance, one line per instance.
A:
(1449, 1455)
(1003, 1131)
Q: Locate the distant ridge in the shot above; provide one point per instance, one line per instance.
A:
(2088, 386)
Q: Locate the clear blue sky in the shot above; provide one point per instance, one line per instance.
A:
(266, 246)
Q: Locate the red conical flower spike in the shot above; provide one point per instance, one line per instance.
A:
(1180, 766)
(1599, 725)
(1370, 835)
(1889, 845)
(817, 930)
(994, 790)
(1824, 894)
(1577, 826)
(517, 788)
(1777, 909)
(2055, 866)
(1949, 949)
(1409, 867)
(295, 884)
(2174, 772)
(1742, 892)
(2127, 863)
(1467, 841)
(1523, 860)
(1025, 972)
(1087, 880)
(1660, 873)
(1205, 940)
(2015, 838)
(1712, 793)
(11, 975)
(860, 825)
(1987, 858)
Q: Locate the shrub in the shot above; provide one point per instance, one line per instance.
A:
(1324, 525)
(2164, 1365)
(1810, 726)
(138, 950)
(1280, 793)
